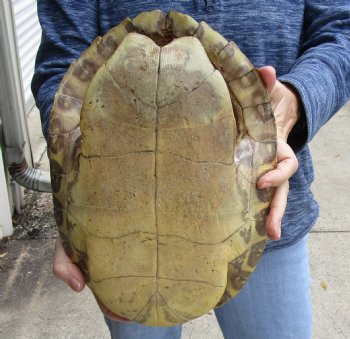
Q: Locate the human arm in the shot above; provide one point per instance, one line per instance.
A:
(65, 35)
(317, 85)
(321, 74)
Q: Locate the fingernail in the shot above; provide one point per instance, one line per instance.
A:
(74, 284)
(278, 231)
(264, 185)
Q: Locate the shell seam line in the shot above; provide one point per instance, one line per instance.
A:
(142, 308)
(67, 96)
(163, 128)
(261, 103)
(198, 162)
(121, 277)
(110, 238)
(151, 151)
(152, 277)
(115, 156)
(158, 107)
(186, 93)
(82, 63)
(251, 186)
(156, 180)
(66, 133)
(217, 54)
(199, 125)
(126, 92)
(239, 171)
(161, 235)
(170, 308)
(193, 280)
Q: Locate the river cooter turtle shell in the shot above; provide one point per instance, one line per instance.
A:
(158, 135)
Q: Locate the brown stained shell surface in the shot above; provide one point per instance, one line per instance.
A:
(158, 135)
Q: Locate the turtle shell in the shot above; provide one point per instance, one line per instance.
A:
(158, 135)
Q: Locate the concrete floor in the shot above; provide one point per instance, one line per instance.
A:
(34, 304)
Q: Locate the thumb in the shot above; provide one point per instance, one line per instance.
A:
(66, 270)
(268, 74)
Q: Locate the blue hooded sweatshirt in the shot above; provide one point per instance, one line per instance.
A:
(307, 42)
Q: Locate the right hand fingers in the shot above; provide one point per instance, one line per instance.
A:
(64, 269)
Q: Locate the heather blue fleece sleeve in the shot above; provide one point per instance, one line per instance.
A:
(322, 73)
(64, 37)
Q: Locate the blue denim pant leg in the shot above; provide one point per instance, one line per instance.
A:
(276, 301)
(120, 330)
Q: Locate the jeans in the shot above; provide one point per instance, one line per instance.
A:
(274, 304)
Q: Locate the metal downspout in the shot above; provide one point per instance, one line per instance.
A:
(6, 228)
(11, 108)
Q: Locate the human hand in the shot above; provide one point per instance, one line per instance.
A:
(285, 104)
(66, 270)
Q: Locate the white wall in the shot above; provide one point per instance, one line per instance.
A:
(20, 36)
(28, 35)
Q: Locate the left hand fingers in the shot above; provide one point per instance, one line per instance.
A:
(287, 164)
(286, 167)
(285, 105)
(277, 209)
